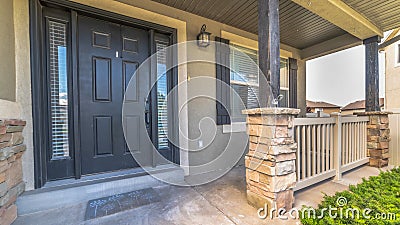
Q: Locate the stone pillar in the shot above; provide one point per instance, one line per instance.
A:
(11, 184)
(378, 137)
(271, 160)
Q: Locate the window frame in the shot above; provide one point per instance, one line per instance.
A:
(282, 57)
(69, 124)
(397, 54)
(37, 10)
(288, 81)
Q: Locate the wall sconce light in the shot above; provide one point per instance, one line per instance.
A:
(203, 38)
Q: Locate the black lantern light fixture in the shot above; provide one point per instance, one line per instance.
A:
(203, 38)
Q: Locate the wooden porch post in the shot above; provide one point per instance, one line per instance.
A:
(371, 74)
(275, 47)
(268, 48)
(263, 50)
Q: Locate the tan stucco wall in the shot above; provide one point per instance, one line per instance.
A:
(18, 66)
(187, 25)
(23, 74)
(201, 108)
(7, 55)
(392, 79)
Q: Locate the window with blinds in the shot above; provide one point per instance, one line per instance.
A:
(284, 91)
(244, 80)
(162, 92)
(57, 35)
(398, 54)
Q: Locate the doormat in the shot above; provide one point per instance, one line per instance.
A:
(117, 203)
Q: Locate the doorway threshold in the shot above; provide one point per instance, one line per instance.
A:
(74, 192)
(92, 179)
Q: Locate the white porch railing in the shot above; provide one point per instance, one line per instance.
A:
(354, 142)
(328, 147)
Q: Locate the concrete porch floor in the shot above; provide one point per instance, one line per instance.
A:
(220, 202)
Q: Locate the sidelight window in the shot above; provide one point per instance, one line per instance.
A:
(57, 53)
(162, 92)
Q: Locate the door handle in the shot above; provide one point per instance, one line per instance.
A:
(147, 112)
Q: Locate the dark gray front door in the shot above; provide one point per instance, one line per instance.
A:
(109, 54)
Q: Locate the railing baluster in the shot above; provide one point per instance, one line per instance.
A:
(314, 150)
(358, 141)
(348, 143)
(353, 138)
(365, 140)
(303, 159)
(338, 148)
(351, 143)
(355, 142)
(344, 143)
(323, 148)
(356, 132)
(331, 141)
(318, 149)
(344, 138)
(362, 155)
(328, 148)
(298, 160)
(308, 151)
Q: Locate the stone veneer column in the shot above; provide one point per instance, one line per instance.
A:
(11, 184)
(271, 160)
(378, 137)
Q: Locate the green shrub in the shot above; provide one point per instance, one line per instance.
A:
(378, 196)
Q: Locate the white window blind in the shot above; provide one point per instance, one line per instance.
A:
(284, 74)
(162, 91)
(284, 79)
(244, 80)
(58, 89)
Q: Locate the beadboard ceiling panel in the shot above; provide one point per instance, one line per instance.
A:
(300, 28)
(383, 13)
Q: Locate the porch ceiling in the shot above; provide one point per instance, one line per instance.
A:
(385, 14)
(300, 28)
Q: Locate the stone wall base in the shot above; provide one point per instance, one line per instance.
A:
(271, 160)
(378, 138)
(11, 183)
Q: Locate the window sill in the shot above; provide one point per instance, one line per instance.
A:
(235, 127)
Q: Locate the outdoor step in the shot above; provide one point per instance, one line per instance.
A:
(58, 196)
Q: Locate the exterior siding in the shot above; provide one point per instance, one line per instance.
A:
(392, 95)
